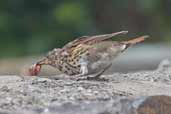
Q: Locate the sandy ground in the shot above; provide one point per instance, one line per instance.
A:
(121, 94)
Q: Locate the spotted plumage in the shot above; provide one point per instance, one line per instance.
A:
(86, 55)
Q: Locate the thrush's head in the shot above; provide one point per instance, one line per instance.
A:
(34, 70)
(48, 60)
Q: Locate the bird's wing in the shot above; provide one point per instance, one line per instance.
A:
(75, 42)
(99, 38)
(89, 40)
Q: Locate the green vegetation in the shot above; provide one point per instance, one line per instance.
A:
(29, 27)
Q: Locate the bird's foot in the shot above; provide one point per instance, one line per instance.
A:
(91, 78)
(97, 78)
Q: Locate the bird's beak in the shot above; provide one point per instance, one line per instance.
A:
(35, 68)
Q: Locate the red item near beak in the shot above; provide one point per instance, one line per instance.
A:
(34, 69)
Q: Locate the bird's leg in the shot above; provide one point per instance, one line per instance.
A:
(83, 70)
(96, 76)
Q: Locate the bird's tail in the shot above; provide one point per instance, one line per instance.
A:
(133, 41)
(136, 40)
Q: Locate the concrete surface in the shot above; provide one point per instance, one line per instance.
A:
(123, 93)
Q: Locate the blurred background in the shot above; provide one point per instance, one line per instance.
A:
(30, 28)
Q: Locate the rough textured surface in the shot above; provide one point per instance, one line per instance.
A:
(122, 94)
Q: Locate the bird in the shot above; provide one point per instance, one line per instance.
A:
(86, 55)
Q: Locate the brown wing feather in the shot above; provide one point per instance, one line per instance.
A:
(76, 42)
(92, 39)
(99, 38)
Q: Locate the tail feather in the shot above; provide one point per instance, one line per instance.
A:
(135, 40)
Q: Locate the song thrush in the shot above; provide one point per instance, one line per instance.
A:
(86, 55)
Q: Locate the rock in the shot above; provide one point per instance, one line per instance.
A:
(155, 105)
(165, 64)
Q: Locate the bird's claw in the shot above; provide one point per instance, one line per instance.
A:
(91, 78)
